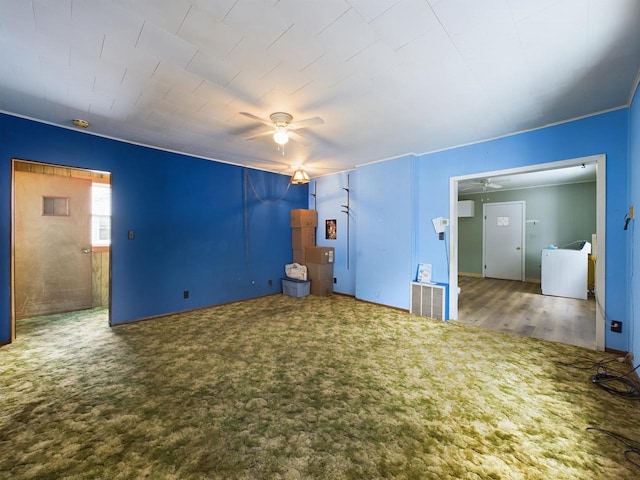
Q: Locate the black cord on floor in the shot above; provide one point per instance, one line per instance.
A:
(620, 385)
(633, 447)
(587, 364)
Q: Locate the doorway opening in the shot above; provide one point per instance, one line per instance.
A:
(599, 248)
(60, 240)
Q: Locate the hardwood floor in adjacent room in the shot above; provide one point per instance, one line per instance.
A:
(520, 307)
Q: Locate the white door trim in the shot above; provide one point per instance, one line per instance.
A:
(601, 221)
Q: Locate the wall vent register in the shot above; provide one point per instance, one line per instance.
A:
(429, 300)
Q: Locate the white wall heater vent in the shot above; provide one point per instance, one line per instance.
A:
(428, 300)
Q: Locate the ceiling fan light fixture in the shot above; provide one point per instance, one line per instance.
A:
(300, 177)
(281, 136)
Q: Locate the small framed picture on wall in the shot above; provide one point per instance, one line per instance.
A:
(331, 229)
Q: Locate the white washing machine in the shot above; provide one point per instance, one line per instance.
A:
(564, 270)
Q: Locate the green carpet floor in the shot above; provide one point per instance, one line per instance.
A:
(302, 388)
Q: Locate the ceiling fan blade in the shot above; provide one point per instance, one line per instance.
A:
(261, 134)
(297, 137)
(494, 185)
(261, 120)
(309, 122)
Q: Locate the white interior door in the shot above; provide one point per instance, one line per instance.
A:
(503, 229)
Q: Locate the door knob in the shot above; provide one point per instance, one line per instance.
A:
(86, 250)
(518, 248)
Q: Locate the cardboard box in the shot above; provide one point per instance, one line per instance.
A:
(304, 218)
(298, 256)
(318, 254)
(295, 288)
(323, 288)
(303, 237)
(320, 271)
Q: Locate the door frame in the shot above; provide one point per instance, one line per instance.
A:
(12, 268)
(522, 235)
(601, 209)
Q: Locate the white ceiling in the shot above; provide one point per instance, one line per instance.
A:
(389, 77)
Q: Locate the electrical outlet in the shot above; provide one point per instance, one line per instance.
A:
(335, 280)
(616, 326)
(270, 282)
(185, 294)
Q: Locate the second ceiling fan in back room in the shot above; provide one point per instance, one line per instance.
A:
(484, 183)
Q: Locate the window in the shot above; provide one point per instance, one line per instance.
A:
(55, 206)
(100, 215)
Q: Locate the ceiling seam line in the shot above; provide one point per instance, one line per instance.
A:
(280, 36)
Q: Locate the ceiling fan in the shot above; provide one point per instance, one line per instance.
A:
(283, 128)
(485, 183)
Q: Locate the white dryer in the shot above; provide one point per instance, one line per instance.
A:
(564, 270)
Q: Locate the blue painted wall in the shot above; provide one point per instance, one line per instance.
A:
(199, 225)
(193, 230)
(330, 198)
(633, 255)
(606, 133)
(398, 198)
(386, 206)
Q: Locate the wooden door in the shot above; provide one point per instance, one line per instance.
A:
(52, 244)
(504, 240)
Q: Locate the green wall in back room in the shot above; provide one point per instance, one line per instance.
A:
(566, 213)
